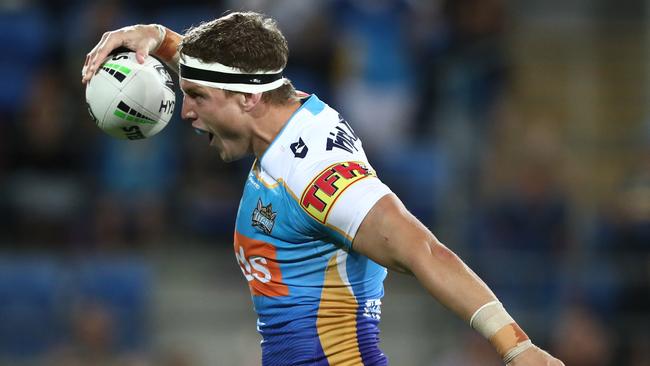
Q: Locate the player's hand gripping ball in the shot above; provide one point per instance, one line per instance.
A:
(128, 100)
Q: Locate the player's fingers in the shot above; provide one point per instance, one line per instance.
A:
(145, 44)
(109, 42)
(141, 55)
(89, 66)
(84, 68)
(86, 72)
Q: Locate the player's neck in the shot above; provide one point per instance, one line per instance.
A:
(269, 122)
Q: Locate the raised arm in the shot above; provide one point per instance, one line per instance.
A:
(143, 39)
(394, 238)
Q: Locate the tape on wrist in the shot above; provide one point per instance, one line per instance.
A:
(496, 325)
(514, 352)
(168, 45)
(161, 32)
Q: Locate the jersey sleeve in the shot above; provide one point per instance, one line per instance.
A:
(337, 192)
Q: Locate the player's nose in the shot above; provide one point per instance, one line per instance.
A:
(187, 113)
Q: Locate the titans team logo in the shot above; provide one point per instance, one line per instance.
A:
(264, 217)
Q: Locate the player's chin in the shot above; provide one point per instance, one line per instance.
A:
(229, 156)
(226, 158)
(224, 154)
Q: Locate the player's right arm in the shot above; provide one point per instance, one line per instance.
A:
(391, 236)
(142, 38)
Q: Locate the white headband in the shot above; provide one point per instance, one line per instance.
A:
(216, 75)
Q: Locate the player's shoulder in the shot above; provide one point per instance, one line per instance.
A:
(321, 162)
(315, 137)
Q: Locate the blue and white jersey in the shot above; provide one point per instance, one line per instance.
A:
(318, 302)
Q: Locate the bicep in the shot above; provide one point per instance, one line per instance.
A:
(393, 237)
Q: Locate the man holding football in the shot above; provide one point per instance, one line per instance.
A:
(316, 228)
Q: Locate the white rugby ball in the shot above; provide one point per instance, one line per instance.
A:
(129, 100)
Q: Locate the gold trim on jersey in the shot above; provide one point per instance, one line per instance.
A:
(258, 174)
(337, 315)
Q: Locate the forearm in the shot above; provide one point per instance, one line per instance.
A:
(457, 287)
(446, 277)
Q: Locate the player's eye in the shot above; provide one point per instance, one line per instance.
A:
(193, 94)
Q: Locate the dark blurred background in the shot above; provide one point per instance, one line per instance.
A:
(518, 131)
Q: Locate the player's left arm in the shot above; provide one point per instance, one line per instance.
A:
(394, 238)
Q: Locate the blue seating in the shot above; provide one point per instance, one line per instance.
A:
(24, 36)
(123, 287)
(38, 297)
(31, 294)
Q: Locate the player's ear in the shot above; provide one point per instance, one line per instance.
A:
(250, 100)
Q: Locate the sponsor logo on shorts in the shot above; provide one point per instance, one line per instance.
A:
(321, 194)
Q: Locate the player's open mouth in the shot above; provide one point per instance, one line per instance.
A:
(203, 132)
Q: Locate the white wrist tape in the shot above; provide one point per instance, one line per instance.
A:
(495, 324)
(489, 318)
(161, 31)
(514, 352)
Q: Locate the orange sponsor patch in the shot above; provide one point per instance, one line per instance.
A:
(322, 192)
(258, 263)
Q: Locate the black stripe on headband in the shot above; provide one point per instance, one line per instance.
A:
(188, 72)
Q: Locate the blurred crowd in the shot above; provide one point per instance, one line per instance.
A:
(428, 87)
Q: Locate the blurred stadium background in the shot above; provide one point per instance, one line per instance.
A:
(519, 131)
